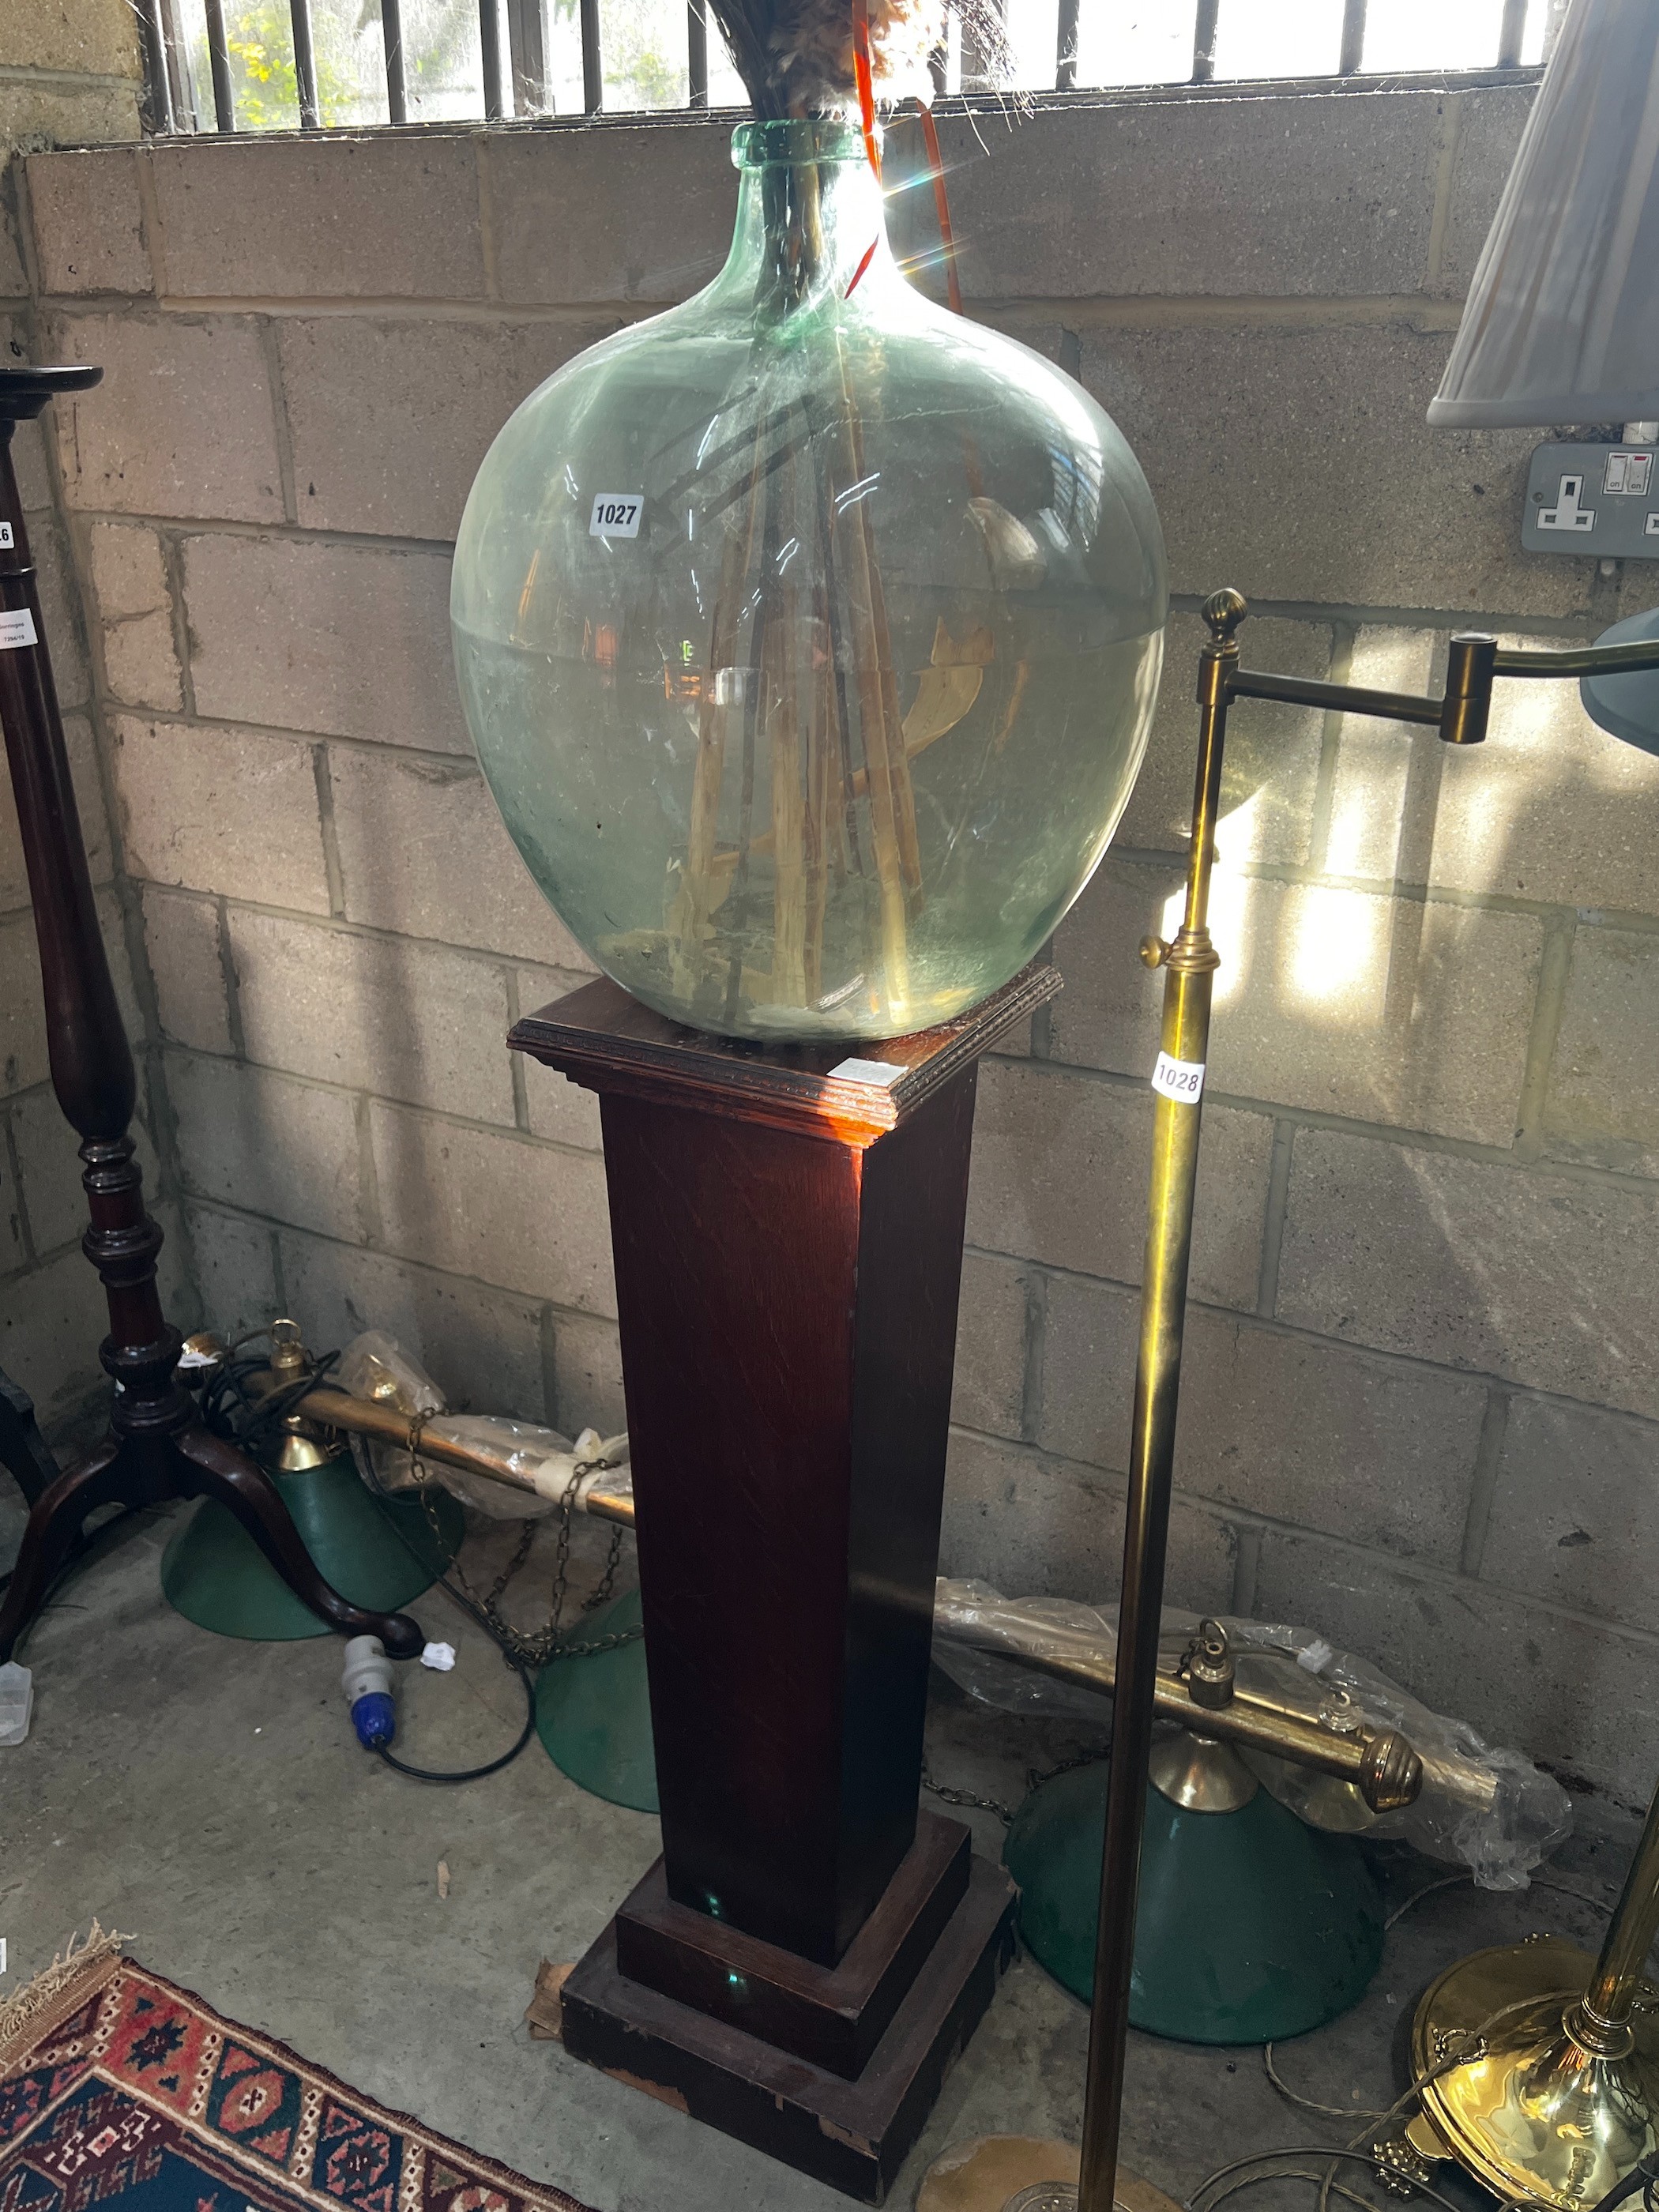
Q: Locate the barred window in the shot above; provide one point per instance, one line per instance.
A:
(260, 65)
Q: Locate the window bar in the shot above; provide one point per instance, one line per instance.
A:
(1204, 31)
(977, 72)
(489, 52)
(527, 39)
(697, 55)
(489, 49)
(1066, 38)
(224, 103)
(1353, 37)
(1511, 31)
(179, 85)
(592, 72)
(158, 97)
(305, 65)
(391, 30)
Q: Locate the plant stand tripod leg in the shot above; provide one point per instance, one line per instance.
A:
(217, 1469)
(54, 1522)
(23, 1449)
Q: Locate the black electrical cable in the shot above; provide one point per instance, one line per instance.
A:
(265, 1413)
(481, 1620)
(1314, 2151)
(476, 1615)
(1635, 2179)
(475, 1773)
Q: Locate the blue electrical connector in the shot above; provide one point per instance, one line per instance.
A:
(366, 1681)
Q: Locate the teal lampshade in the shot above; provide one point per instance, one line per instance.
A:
(809, 634)
(1627, 707)
(1249, 1925)
(593, 1709)
(377, 1552)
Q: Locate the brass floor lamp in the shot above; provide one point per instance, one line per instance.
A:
(1574, 2059)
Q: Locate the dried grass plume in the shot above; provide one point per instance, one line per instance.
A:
(795, 57)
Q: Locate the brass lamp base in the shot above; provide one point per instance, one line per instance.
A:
(1022, 2173)
(1540, 2117)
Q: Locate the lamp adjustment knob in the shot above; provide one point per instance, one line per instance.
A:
(1155, 950)
(1223, 611)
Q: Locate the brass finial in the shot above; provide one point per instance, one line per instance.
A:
(1210, 1666)
(1223, 611)
(1392, 1774)
(288, 1356)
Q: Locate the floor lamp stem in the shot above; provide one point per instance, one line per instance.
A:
(1189, 964)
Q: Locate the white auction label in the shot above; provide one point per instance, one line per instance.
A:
(16, 629)
(615, 514)
(883, 1071)
(6, 537)
(1180, 1079)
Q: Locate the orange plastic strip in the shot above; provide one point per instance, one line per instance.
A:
(947, 236)
(869, 256)
(864, 76)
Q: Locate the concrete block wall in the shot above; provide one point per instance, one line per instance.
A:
(1421, 1413)
(70, 76)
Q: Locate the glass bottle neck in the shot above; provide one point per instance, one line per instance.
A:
(811, 232)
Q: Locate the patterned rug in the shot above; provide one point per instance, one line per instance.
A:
(115, 2084)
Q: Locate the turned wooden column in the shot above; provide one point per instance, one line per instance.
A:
(157, 1449)
(787, 1229)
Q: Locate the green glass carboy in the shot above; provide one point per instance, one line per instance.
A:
(809, 634)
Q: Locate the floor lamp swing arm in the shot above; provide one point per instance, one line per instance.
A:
(1190, 964)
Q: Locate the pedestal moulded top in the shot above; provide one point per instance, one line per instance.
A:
(606, 1041)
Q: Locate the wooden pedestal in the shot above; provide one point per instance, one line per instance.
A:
(787, 1224)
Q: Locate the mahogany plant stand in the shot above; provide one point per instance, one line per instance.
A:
(157, 1449)
(809, 1953)
(23, 1449)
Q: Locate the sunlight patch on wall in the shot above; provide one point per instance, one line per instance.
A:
(1333, 964)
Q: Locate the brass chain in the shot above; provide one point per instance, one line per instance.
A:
(532, 1650)
(963, 1797)
(1035, 1779)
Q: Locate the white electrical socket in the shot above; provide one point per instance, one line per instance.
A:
(1592, 498)
(1566, 514)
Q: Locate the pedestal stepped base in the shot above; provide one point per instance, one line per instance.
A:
(854, 2134)
(787, 1226)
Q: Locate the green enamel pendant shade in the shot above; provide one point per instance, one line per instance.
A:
(380, 1554)
(1251, 1926)
(594, 1714)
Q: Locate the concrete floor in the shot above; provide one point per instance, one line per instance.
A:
(207, 1797)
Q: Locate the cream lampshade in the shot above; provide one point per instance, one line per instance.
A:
(1562, 324)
